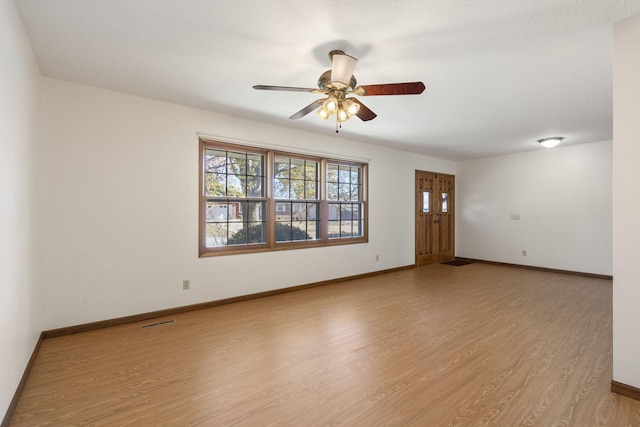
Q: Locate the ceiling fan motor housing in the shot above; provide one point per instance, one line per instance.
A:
(324, 82)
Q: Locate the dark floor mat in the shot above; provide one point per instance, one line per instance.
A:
(458, 262)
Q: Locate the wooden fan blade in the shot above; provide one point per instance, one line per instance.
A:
(412, 88)
(364, 113)
(287, 88)
(306, 110)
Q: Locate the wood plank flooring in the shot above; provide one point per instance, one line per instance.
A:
(478, 345)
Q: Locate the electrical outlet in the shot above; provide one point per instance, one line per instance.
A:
(186, 285)
(377, 258)
(524, 253)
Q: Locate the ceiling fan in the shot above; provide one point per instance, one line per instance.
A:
(337, 84)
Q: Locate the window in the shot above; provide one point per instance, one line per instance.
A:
(344, 193)
(235, 205)
(254, 200)
(295, 189)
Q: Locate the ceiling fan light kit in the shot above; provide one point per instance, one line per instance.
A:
(337, 84)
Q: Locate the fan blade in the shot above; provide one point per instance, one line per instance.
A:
(413, 88)
(287, 88)
(306, 110)
(364, 113)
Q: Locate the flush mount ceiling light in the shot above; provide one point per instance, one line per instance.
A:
(338, 86)
(551, 141)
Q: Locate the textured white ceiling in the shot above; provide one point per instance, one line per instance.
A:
(500, 74)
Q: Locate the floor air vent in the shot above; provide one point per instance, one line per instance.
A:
(153, 325)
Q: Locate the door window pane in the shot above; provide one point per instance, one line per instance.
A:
(445, 202)
(425, 201)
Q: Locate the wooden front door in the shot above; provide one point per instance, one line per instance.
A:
(435, 223)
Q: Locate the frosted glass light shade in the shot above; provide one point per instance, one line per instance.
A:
(351, 107)
(322, 113)
(330, 105)
(550, 142)
(342, 67)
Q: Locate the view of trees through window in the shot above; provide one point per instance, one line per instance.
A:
(295, 188)
(256, 199)
(235, 207)
(344, 189)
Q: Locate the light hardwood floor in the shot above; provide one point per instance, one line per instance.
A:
(437, 345)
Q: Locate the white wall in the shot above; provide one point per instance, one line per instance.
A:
(121, 207)
(563, 197)
(626, 202)
(20, 310)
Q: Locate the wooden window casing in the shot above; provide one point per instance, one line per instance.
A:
(314, 212)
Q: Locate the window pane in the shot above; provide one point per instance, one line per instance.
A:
(345, 220)
(281, 188)
(254, 165)
(299, 211)
(235, 186)
(425, 201)
(313, 230)
(237, 163)
(233, 174)
(215, 184)
(215, 235)
(244, 233)
(295, 179)
(254, 211)
(281, 167)
(355, 175)
(313, 210)
(344, 192)
(334, 211)
(357, 228)
(282, 207)
(346, 229)
(334, 229)
(237, 234)
(215, 161)
(235, 210)
(332, 173)
(355, 192)
(257, 232)
(350, 211)
(254, 187)
(332, 191)
(445, 202)
(297, 189)
(299, 231)
(291, 231)
(311, 173)
(216, 211)
(297, 221)
(231, 222)
(311, 190)
(344, 182)
(297, 169)
(344, 174)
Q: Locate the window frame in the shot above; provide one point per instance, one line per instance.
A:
(270, 214)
